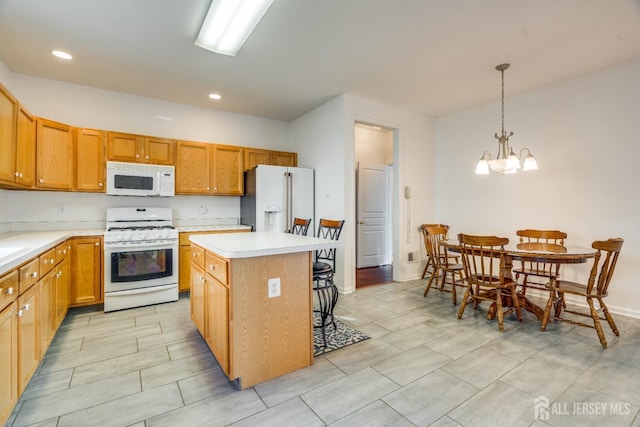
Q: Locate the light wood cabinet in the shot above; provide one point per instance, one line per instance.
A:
(8, 119)
(9, 360)
(8, 288)
(258, 156)
(62, 279)
(228, 172)
(17, 143)
(209, 169)
(125, 147)
(197, 299)
(217, 320)
(283, 158)
(47, 289)
(90, 163)
(86, 270)
(193, 167)
(28, 336)
(55, 155)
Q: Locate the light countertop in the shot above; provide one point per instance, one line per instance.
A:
(197, 228)
(247, 245)
(18, 247)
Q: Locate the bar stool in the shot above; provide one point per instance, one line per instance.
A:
(324, 269)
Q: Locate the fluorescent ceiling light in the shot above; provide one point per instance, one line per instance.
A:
(229, 23)
(215, 96)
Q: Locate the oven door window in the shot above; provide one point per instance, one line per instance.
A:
(136, 266)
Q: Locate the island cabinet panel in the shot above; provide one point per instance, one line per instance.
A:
(217, 321)
(270, 337)
(196, 297)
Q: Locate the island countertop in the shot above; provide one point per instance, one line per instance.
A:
(260, 243)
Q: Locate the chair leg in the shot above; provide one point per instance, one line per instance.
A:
(465, 298)
(433, 275)
(454, 297)
(500, 313)
(547, 310)
(426, 266)
(596, 322)
(609, 318)
(516, 303)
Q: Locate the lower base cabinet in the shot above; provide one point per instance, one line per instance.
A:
(8, 360)
(28, 335)
(86, 271)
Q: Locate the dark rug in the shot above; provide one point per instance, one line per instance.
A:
(342, 336)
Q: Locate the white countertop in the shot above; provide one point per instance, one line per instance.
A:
(18, 247)
(196, 228)
(247, 245)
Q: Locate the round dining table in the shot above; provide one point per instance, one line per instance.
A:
(534, 252)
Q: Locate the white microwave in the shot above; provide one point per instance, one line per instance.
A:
(136, 179)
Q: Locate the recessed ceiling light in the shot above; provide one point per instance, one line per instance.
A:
(215, 96)
(61, 54)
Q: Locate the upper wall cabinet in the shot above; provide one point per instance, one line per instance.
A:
(203, 168)
(257, 156)
(125, 147)
(17, 143)
(55, 156)
(90, 164)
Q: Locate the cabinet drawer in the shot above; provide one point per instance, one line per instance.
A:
(197, 255)
(217, 267)
(62, 251)
(29, 274)
(8, 289)
(47, 261)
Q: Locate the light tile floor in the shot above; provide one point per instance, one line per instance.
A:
(422, 366)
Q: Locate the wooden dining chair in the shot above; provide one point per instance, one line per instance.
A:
(597, 287)
(541, 271)
(300, 226)
(430, 263)
(483, 259)
(437, 253)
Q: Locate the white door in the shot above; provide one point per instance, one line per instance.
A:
(372, 214)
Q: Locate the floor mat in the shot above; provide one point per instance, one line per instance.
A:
(341, 336)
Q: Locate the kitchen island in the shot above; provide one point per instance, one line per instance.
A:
(252, 302)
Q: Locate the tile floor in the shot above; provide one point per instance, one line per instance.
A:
(422, 366)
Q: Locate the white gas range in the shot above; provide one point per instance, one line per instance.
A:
(140, 258)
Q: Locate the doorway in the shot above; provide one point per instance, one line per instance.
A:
(374, 176)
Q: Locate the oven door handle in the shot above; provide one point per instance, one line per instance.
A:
(136, 291)
(173, 244)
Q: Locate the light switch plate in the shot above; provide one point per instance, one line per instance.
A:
(274, 287)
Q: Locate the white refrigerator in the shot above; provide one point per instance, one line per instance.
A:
(275, 195)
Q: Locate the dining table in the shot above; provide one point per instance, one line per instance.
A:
(533, 252)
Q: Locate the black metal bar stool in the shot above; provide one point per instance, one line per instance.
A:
(324, 269)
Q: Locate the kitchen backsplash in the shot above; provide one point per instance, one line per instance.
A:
(62, 210)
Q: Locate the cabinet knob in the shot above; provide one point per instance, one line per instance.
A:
(202, 279)
(8, 291)
(99, 184)
(208, 188)
(16, 174)
(137, 156)
(19, 313)
(212, 267)
(97, 243)
(52, 261)
(195, 254)
(41, 180)
(26, 307)
(34, 274)
(20, 176)
(146, 157)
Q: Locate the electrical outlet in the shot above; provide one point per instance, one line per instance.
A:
(202, 210)
(61, 209)
(410, 257)
(274, 287)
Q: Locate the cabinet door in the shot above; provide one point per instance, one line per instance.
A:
(283, 158)
(197, 298)
(124, 147)
(184, 278)
(8, 361)
(47, 303)
(62, 281)
(8, 288)
(86, 271)
(159, 151)
(193, 168)
(90, 163)
(217, 321)
(254, 157)
(228, 171)
(55, 155)
(28, 338)
(25, 149)
(8, 114)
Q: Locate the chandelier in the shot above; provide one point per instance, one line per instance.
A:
(506, 161)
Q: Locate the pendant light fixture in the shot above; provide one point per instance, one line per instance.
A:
(506, 161)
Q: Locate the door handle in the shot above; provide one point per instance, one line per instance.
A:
(361, 222)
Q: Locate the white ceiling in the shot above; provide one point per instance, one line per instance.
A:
(433, 56)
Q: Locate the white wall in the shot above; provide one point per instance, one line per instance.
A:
(584, 135)
(373, 145)
(325, 139)
(83, 106)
